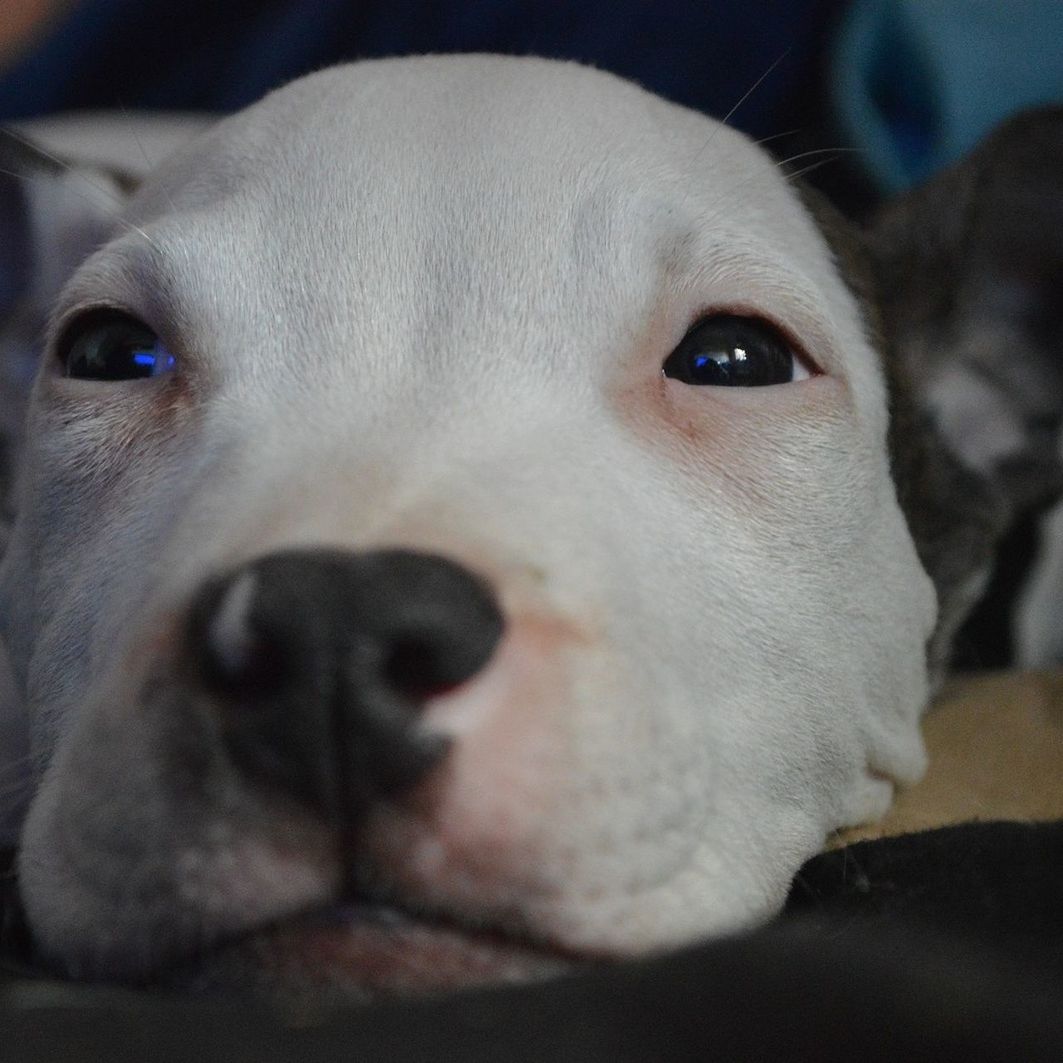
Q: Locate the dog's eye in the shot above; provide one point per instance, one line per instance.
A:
(730, 351)
(109, 345)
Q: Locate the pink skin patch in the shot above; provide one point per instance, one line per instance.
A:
(469, 833)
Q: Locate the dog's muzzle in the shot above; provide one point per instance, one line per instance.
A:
(318, 663)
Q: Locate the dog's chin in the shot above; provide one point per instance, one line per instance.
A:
(360, 953)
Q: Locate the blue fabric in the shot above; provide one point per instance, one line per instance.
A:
(223, 55)
(917, 82)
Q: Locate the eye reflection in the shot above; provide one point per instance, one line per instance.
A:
(108, 345)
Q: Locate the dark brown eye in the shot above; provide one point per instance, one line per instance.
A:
(734, 352)
(110, 345)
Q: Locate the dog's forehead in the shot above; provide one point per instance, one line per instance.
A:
(491, 152)
(472, 115)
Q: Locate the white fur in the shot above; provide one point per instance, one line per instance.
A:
(426, 303)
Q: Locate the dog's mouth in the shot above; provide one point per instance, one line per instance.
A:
(366, 950)
(351, 952)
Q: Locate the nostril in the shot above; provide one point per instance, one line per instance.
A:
(416, 669)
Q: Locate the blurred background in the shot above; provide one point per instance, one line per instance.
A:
(905, 86)
(865, 97)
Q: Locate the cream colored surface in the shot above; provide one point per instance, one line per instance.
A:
(996, 752)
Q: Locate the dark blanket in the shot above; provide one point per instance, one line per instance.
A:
(942, 945)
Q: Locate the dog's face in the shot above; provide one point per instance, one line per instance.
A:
(490, 312)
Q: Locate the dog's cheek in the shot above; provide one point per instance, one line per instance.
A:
(832, 586)
(142, 842)
(108, 486)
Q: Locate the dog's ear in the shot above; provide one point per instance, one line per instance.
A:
(52, 216)
(967, 277)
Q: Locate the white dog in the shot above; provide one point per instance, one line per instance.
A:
(456, 533)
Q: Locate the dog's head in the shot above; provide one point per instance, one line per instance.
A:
(459, 530)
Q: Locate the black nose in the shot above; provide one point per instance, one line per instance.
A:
(319, 661)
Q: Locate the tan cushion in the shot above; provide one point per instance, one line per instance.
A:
(996, 752)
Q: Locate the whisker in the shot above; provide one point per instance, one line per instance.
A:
(138, 230)
(115, 202)
(63, 164)
(136, 138)
(808, 169)
(818, 151)
(777, 136)
(144, 154)
(756, 85)
(745, 96)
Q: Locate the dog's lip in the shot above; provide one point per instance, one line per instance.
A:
(375, 948)
(389, 916)
(354, 930)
